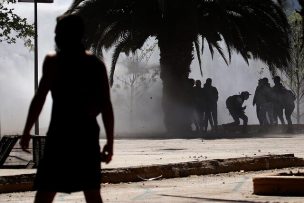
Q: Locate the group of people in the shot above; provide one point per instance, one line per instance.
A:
(204, 104)
(272, 102)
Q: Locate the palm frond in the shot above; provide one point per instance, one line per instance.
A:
(197, 48)
(121, 45)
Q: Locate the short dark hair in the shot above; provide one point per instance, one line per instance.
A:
(71, 26)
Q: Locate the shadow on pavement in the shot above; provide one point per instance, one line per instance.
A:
(209, 199)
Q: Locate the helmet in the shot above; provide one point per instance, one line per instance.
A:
(245, 94)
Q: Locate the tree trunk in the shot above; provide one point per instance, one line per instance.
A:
(175, 41)
(298, 103)
(176, 55)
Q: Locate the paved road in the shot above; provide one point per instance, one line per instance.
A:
(232, 187)
(132, 152)
(223, 188)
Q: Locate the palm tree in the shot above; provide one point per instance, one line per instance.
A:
(256, 29)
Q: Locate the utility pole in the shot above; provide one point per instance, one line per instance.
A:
(36, 60)
(36, 47)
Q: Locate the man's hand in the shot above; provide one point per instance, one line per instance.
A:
(107, 153)
(24, 142)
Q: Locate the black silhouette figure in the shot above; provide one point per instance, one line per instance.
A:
(257, 100)
(211, 97)
(236, 109)
(189, 115)
(79, 87)
(264, 98)
(284, 101)
(200, 105)
(278, 90)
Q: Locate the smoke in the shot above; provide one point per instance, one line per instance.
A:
(147, 116)
(229, 80)
(17, 67)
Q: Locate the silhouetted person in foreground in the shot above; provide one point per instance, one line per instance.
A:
(236, 109)
(79, 87)
(211, 97)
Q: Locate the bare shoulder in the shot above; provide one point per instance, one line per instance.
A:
(94, 58)
(50, 57)
(49, 62)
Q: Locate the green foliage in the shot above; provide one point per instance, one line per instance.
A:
(295, 73)
(13, 26)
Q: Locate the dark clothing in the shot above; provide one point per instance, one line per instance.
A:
(264, 98)
(200, 106)
(284, 100)
(71, 159)
(199, 98)
(278, 91)
(235, 102)
(234, 105)
(211, 95)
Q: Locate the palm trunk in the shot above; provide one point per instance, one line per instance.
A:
(176, 55)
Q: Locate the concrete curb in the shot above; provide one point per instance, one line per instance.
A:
(24, 182)
(176, 170)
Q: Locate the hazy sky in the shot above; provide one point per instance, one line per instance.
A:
(16, 66)
(16, 77)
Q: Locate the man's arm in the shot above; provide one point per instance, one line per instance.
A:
(36, 105)
(216, 93)
(107, 117)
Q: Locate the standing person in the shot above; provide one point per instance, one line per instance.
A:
(79, 87)
(236, 109)
(266, 111)
(189, 106)
(263, 98)
(284, 102)
(278, 90)
(211, 95)
(200, 106)
(257, 100)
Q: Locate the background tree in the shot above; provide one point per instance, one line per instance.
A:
(138, 79)
(245, 26)
(13, 26)
(295, 74)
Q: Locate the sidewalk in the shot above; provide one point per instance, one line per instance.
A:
(143, 152)
(227, 187)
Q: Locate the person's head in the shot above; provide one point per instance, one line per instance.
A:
(69, 32)
(245, 95)
(265, 80)
(191, 82)
(208, 81)
(276, 79)
(198, 83)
